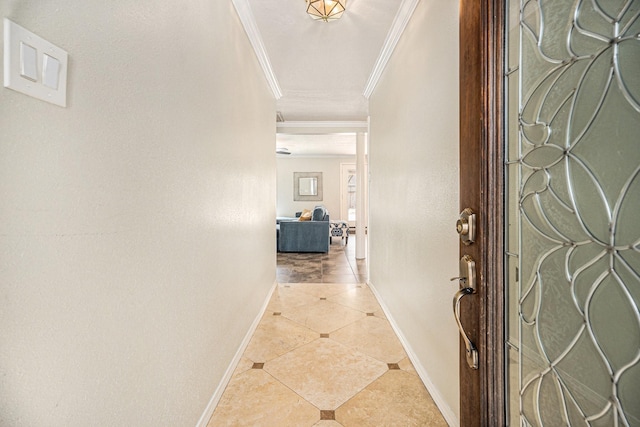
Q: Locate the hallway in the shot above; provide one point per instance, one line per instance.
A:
(138, 239)
(324, 354)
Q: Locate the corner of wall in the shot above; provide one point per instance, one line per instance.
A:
(217, 394)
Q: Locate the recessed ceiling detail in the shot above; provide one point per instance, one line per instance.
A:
(322, 70)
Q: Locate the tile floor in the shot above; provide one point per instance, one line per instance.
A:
(337, 266)
(324, 355)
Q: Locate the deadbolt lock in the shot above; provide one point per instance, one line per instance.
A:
(462, 227)
(466, 226)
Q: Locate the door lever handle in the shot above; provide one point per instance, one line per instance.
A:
(471, 350)
(467, 279)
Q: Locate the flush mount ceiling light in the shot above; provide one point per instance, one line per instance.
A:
(326, 10)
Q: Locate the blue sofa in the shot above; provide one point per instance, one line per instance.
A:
(305, 236)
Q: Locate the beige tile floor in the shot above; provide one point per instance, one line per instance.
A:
(325, 355)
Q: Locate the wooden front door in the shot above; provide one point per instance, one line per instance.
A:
(482, 389)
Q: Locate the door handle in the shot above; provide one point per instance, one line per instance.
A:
(471, 350)
(467, 280)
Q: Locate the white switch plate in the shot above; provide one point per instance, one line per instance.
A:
(14, 36)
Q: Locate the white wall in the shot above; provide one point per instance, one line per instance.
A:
(330, 168)
(413, 161)
(127, 218)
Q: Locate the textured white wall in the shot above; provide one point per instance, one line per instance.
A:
(330, 168)
(413, 161)
(128, 218)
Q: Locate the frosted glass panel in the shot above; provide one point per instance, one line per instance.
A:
(573, 234)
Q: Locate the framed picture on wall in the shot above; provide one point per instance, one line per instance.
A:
(307, 186)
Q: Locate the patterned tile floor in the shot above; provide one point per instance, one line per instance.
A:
(324, 355)
(337, 266)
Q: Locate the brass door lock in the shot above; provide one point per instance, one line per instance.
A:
(466, 226)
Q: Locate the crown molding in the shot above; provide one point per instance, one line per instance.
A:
(397, 28)
(316, 124)
(251, 28)
(323, 127)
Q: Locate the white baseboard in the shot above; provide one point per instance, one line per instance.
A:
(217, 394)
(444, 408)
(449, 416)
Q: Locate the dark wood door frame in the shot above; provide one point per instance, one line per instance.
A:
(482, 391)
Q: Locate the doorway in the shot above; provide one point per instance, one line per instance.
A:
(348, 193)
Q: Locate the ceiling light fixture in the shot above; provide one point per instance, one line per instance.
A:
(326, 10)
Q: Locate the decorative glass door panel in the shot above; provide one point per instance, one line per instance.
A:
(573, 204)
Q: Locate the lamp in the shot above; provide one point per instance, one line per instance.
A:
(327, 10)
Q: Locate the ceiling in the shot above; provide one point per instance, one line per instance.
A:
(318, 145)
(318, 71)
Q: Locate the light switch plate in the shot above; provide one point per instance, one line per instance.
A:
(28, 62)
(50, 72)
(55, 91)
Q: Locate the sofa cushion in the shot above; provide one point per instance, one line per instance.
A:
(319, 213)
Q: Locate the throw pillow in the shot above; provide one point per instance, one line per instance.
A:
(318, 213)
(305, 216)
